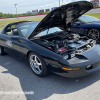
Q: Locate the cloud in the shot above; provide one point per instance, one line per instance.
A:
(83, 0)
(65, 2)
(23, 6)
(7, 6)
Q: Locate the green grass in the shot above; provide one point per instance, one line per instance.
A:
(4, 22)
(97, 15)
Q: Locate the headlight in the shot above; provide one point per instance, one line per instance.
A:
(88, 66)
(66, 57)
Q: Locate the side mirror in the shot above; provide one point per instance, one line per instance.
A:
(77, 23)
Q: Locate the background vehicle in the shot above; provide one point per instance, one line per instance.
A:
(87, 25)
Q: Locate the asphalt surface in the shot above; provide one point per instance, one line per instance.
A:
(94, 11)
(38, 16)
(16, 75)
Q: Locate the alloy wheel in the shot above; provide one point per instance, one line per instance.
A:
(35, 64)
(94, 34)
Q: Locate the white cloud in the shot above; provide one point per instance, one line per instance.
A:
(65, 2)
(83, 0)
(23, 6)
(7, 6)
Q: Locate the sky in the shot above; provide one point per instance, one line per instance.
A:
(8, 6)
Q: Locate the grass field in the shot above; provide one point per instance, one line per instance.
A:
(4, 22)
(97, 15)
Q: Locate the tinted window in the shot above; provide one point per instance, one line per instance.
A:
(86, 19)
(9, 30)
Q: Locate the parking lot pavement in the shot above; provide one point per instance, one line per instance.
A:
(17, 76)
(38, 16)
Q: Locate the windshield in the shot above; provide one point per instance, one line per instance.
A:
(51, 30)
(86, 19)
(27, 28)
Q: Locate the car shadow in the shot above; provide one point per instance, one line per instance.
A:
(44, 87)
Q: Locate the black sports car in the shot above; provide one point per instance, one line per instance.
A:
(87, 25)
(49, 46)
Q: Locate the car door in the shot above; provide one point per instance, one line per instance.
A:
(11, 43)
(78, 27)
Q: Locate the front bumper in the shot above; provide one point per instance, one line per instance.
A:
(79, 73)
(90, 57)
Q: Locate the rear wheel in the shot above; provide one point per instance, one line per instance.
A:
(37, 64)
(2, 50)
(94, 34)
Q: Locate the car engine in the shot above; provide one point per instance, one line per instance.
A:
(67, 45)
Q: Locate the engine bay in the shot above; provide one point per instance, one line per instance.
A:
(67, 44)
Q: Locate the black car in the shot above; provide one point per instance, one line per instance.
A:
(87, 25)
(49, 46)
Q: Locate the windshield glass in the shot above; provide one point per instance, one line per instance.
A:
(27, 28)
(51, 30)
(86, 19)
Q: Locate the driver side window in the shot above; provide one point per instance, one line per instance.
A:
(11, 31)
(8, 31)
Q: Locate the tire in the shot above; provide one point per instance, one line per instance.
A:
(37, 64)
(94, 34)
(2, 50)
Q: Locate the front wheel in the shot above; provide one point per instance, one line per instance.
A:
(37, 64)
(94, 34)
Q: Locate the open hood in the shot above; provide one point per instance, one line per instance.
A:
(63, 16)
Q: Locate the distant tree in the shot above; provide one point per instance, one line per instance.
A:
(5, 15)
(1, 15)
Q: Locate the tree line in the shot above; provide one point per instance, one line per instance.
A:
(5, 15)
